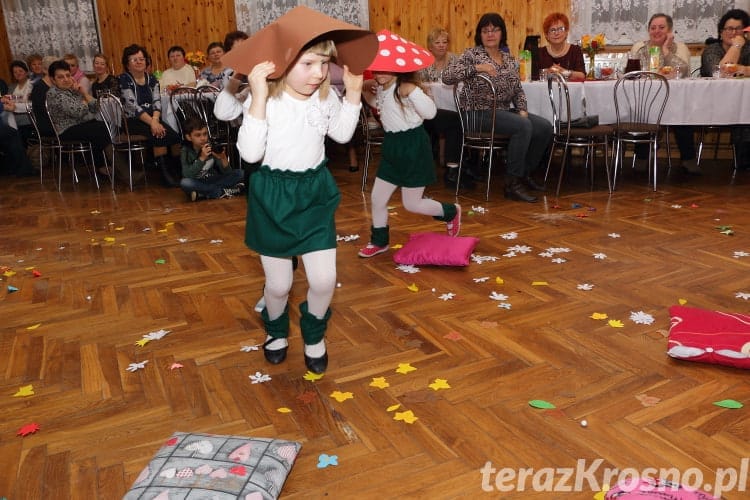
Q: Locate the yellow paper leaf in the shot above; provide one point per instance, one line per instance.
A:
(142, 342)
(539, 283)
(95, 212)
(397, 246)
(599, 316)
(23, 391)
(119, 228)
(393, 407)
(499, 280)
(109, 239)
(169, 224)
(682, 301)
(379, 382)
(412, 288)
(34, 327)
(404, 368)
(615, 323)
(284, 409)
(312, 377)
(439, 383)
(9, 273)
(406, 416)
(30, 268)
(341, 396)
(162, 231)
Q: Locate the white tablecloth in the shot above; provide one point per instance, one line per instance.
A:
(442, 94)
(701, 101)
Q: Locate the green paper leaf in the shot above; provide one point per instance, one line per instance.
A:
(160, 261)
(541, 404)
(729, 403)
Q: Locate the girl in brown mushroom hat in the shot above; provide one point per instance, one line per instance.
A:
(292, 197)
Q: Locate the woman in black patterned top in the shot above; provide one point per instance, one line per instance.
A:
(104, 81)
(530, 135)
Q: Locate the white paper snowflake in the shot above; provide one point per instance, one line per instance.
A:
(182, 240)
(509, 236)
(558, 250)
(146, 229)
(482, 279)
(158, 334)
(504, 305)
(408, 268)
(559, 260)
(520, 249)
(480, 259)
(216, 242)
(600, 256)
(498, 296)
(250, 348)
(585, 286)
(347, 237)
(132, 367)
(614, 235)
(676, 206)
(447, 296)
(509, 255)
(641, 318)
(742, 295)
(740, 253)
(479, 209)
(259, 378)
(546, 254)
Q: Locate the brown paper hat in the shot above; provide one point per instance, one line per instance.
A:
(282, 40)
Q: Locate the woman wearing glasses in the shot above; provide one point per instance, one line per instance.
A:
(559, 56)
(530, 135)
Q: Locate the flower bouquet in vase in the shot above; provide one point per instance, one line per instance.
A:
(196, 60)
(591, 45)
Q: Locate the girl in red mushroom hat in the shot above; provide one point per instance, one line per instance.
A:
(406, 153)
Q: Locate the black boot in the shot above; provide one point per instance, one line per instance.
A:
(515, 190)
(451, 176)
(166, 178)
(532, 184)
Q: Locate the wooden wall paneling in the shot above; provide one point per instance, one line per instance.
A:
(5, 53)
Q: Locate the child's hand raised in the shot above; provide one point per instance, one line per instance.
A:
(258, 79)
(353, 85)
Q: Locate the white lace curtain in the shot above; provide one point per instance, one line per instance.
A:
(52, 28)
(625, 22)
(253, 15)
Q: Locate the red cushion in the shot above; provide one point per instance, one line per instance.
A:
(709, 336)
(436, 250)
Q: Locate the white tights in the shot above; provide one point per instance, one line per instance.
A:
(412, 198)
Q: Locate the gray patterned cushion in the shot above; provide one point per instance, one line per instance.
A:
(195, 466)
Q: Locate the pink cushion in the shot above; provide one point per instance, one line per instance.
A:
(436, 250)
(709, 336)
(637, 489)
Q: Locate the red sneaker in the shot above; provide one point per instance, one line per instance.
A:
(454, 226)
(372, 250)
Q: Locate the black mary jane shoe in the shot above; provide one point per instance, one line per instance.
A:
(317, 365)
(274, 356)
(533, 185)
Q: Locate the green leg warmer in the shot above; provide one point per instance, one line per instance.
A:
(279, 327)
(449, 212)
(379, 236)
(313, 329)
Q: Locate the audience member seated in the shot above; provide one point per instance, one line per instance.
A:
(180, 73)
(215, 73)
(233, 37)
(141, 99)
(73, 112)
(559, 56)
(445, 128)
(732, 48)
(20, 90)
(530, 135)
(12, 147)
(39, 96)
(104, 81)
(75, 71)
(206, 172)
(36, 69)
(675, 55)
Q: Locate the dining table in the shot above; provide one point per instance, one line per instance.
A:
(692, 101)
(442, 94)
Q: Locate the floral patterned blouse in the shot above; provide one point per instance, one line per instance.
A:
(507, 80)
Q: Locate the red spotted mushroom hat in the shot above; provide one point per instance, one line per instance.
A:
(399, 55)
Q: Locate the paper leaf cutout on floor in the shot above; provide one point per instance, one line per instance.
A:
(615, 323)
(406, 416)
(307, 397)
(24, 391)
(498, 296)
(539, 283)
(729, 403)
(504, 305)
(157, 335)
(342, 396)
(312, 377)
(284, 409)
(36, 273)
(12, 289)
(740, 253)
(479, 209)
(647, 400)
(379, 382)
(412, 288)
(453, 336)
(447, 296)
(599, 316)
(682, 302)
(393, 407)
(404, 368)
(509, 236)
(250, 348)
(174, 366)
(742, 295)
(34, 326)
(28, 429)
(408, 268)
(641, 318)
(142, 342)
(585, 286)
(259, 378)
(499, 280)
(600, 256)
(326, 460)
(614, 235)
(397, 246)
(133, 367)
(541, 404)
(483, 279)
(160, 261)
(439, 383)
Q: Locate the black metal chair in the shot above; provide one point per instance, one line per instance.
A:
(44, 143)
(373, 134)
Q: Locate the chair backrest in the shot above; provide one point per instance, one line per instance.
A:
(640, 98)
(51, 122)
(372, 130)
(217, 129)
(186, 105)
(477, 115)
(113, 116)
(559, 99)
(38, 137)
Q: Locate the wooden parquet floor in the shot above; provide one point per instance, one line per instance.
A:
(114, 267)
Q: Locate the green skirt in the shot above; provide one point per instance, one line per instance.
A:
(291, 213)
(406, 158)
